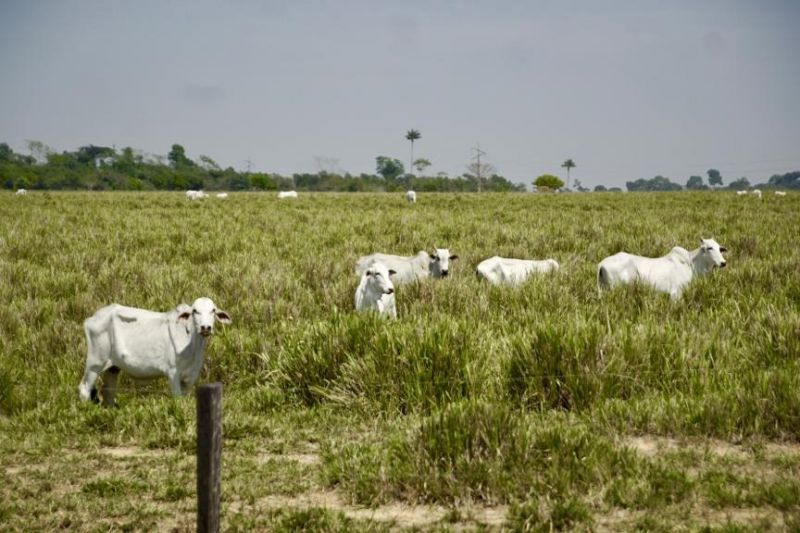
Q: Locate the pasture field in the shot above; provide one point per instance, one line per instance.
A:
(545, 407)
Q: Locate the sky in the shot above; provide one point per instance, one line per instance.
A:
(628, 89)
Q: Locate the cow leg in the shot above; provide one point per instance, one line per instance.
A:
(186, 387)
(109, 389)
(175, 384)
(87, 390)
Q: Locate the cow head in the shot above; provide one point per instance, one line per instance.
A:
(203, 313)
(440, 262)
(378, 278)
(711, 252)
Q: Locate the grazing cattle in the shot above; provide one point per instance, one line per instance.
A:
(147, 344)
(411, 196)
(222, 195)
(375, 291)
(741, 193)
(196, 195)
(287, 194)
(503, 271)
(670, 273)
(756, 193)
(22, 192)
(780, 193)
(408, 269)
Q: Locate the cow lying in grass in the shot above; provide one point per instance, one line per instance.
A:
(670, 273)
(504, 271)
(147, 344)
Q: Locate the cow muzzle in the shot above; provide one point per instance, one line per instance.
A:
(206, 331)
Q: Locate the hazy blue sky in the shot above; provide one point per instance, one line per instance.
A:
(628, 89)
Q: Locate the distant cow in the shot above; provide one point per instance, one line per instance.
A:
(670, 273)
(222, 195)
(376, 291)
(504, 271)
(436, 264)
(195, 195)
(147, 344)
(22, 192)
(780, 193)
(756, 193)
(287, 194)
(411, 196)
(741, 193)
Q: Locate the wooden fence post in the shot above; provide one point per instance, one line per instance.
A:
(209, 455)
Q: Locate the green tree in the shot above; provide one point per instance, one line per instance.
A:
(600, 188)
(740, 185)
(714, 177)
(568, 164)
(421, 164)
(177, 157)
(389, 168)
(548, 181)
(695, 183)
(412, 135)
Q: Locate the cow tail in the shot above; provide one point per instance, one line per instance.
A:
(602, 277)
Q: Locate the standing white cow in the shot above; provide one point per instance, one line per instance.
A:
(741, 193)
(411, 196)
(670, 273)
(222, 195)
(504, 271)
(376, 291)
(22, 192)
(408, 269)
(147, 344)
(287, 194)
(195, 195)
(780, 193)
(756, 193)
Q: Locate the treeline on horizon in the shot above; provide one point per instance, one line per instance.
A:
(104, 168)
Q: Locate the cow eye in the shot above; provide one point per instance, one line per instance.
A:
(194, 311)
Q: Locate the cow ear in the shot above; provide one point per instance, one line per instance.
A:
(223, 317)
(723, 249)
(184, 316)
(392, 272)
(453, 257)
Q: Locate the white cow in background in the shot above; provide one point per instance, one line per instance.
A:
(670, 273)
(411, 196)
(222, 195)
(741, 193)
(195, 195)
(505, 271)
(147, 344)
(780, 193)
(375, 291)
(22, 192)
(408, 269)
(287, 194)
(756, 193)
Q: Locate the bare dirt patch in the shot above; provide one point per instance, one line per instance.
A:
(124, 452)
(654, 445)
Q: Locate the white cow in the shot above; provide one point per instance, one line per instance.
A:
(756, 193)
(147, 344)
(222, 195)
(436, 264)
(195, 195)
(780, 193)
(741, 193)
(22, 192)
(670, 273)
(504, 271)
(411, 196)
(287, 194)
(376, 291)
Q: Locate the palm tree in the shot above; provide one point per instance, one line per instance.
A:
(412, 135)
(568, 164)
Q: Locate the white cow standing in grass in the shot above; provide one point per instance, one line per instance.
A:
(411, 196)
(741, 193)
(756, 193)
(375, 291)
(670, 273)
(22, 192)
(408, 269)
(195, 195)
(147, 344)
(505, 271)
(780, 193)
(287, 194)
(222, 195)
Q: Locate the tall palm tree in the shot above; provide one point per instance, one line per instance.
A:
(568, 164)
(412, 135)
